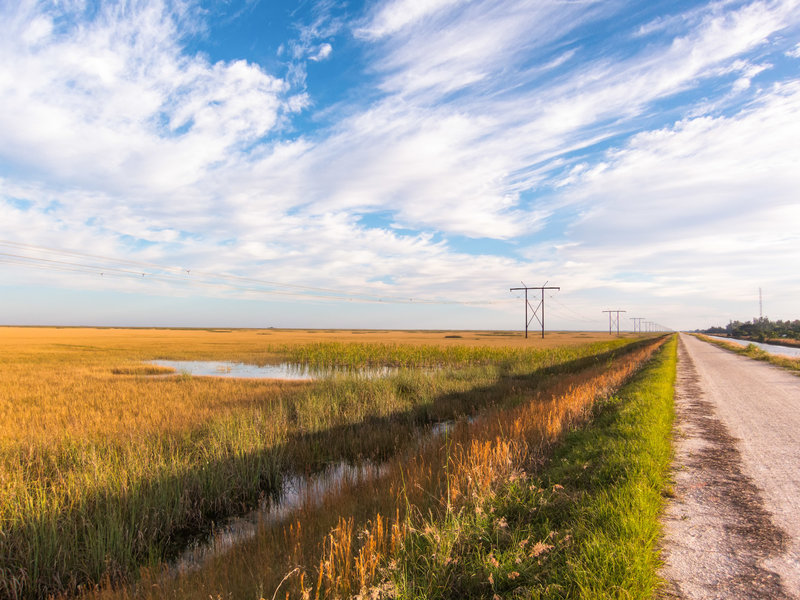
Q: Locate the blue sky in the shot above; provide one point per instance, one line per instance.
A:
(398, 164)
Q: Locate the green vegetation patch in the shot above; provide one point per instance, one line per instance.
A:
(587, 526)
(356, 355)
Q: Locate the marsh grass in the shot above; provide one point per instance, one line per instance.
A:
(585, 526)
(448, 517)
(105, 470)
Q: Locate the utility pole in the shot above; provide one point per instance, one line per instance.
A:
(612, 320)
(637, 326)
(538, 306)
(760, 307)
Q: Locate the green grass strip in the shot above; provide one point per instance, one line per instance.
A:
(615, 473)
(586, 526)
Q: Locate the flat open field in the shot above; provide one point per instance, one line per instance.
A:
(105, 469)
(245, 340)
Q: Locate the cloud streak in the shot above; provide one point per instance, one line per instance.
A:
(600, 159)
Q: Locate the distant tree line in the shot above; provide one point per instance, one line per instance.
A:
(759, 329)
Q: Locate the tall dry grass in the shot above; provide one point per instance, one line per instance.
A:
(103, 470)
(367, 536)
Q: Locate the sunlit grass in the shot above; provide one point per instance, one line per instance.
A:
(104, 469)
(405, 533)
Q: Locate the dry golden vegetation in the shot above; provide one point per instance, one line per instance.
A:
(403, 533)
(104, 469)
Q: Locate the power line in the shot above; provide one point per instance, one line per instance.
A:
(575, 314)
(154, 266)
(70, 261)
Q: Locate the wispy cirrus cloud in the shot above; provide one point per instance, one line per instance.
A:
(696, 210)
(527, 124)
(481, 150)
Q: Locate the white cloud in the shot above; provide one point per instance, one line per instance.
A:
(113, 103)
(322, 52)
(699, 210)
(450, 49)
(123, 142)
(460, 165)
(704, 168)
(391, 17)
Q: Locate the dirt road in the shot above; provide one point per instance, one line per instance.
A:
(733, 528)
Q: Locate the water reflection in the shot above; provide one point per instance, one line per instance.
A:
(297, 491)
(771, 348)
(293, 371)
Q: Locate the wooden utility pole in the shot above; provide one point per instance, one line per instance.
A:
(535, 311)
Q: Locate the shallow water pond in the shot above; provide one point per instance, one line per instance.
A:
(213, 368)
(292, 371)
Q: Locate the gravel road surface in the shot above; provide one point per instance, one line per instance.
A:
(732, 530)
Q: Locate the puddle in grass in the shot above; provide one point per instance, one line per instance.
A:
(292, 371)
(296, 491)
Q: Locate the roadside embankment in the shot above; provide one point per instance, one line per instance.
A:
(753, 351)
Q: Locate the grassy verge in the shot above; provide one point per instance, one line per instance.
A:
(586, 527)
(753, 351)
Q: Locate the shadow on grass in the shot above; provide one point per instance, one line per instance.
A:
(109, 535)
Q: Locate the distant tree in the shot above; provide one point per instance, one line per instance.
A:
(759, 329)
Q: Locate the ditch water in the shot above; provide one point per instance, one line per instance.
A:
(771, 348)
(290, 371)
(297, 491)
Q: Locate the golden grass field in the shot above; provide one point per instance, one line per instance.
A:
(367, 534)
(105, 469)
(47, 370)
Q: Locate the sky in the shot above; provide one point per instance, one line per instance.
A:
(398, 164)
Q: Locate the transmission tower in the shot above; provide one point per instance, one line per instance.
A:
(535, 311)
(613, 320)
